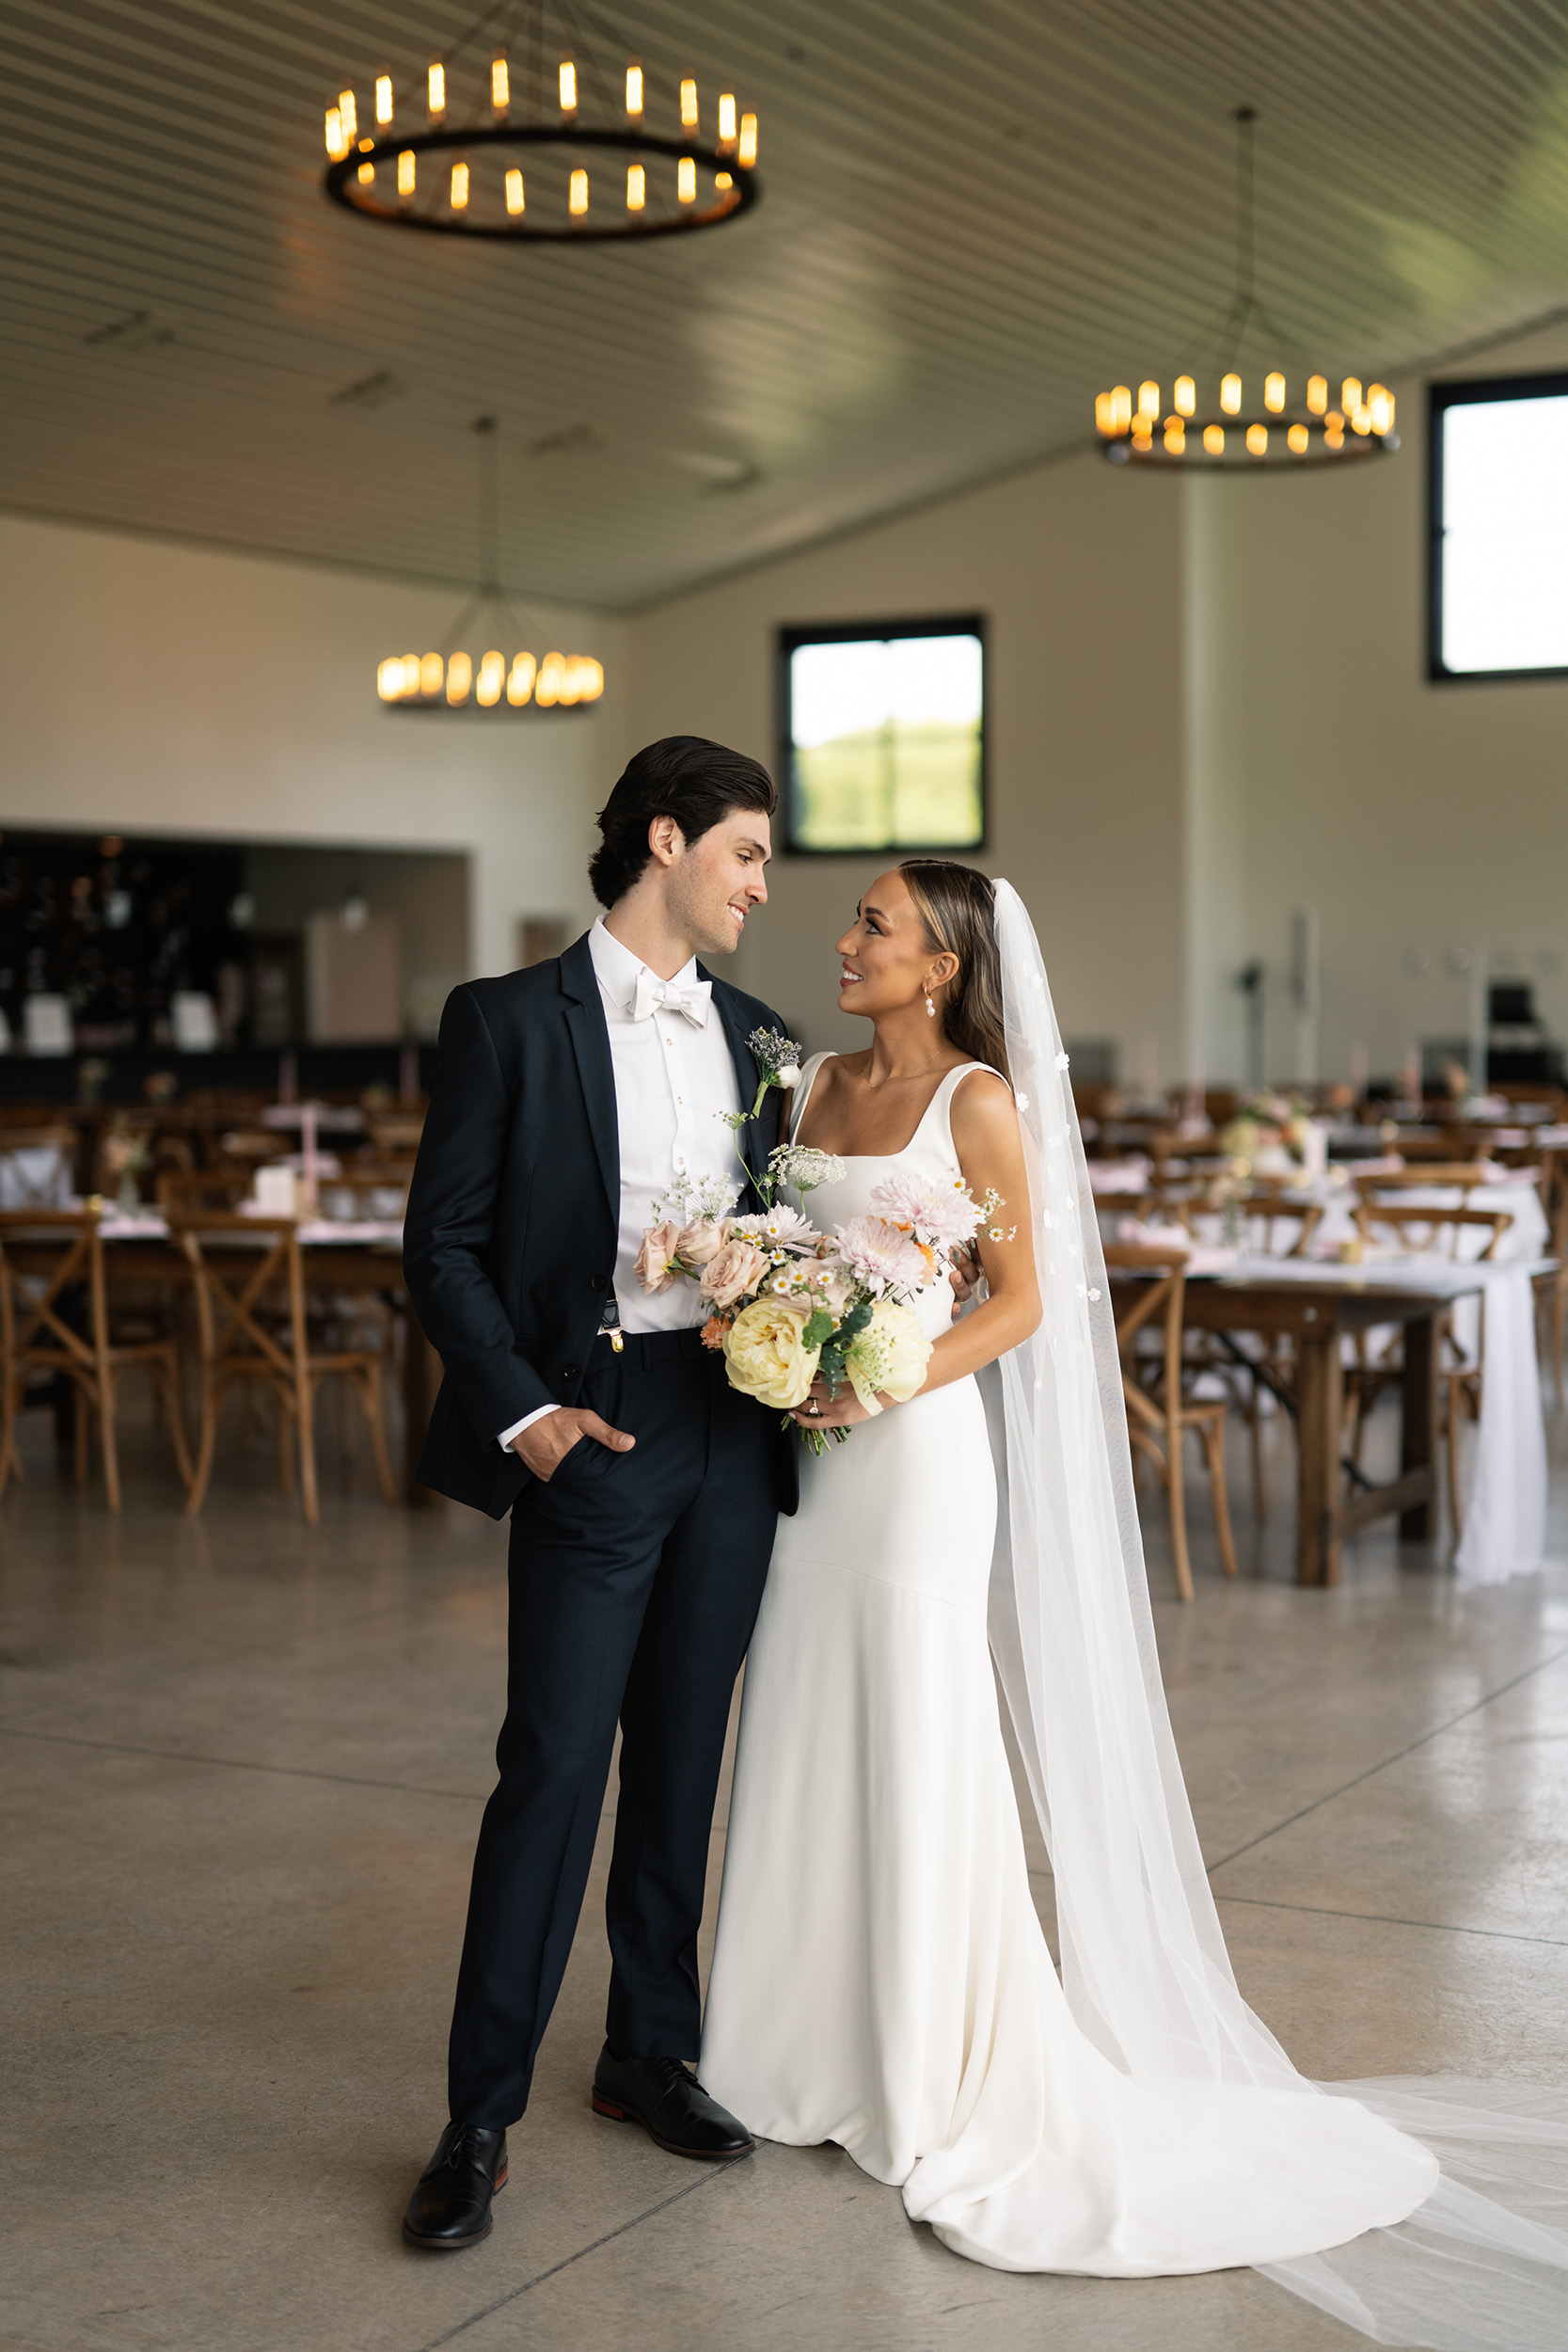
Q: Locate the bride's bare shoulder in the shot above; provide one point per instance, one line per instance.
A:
(983, 1110)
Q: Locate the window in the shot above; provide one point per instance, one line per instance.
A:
(1500, 528)
(883, 736)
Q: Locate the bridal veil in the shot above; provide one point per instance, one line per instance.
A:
(1481, 2265)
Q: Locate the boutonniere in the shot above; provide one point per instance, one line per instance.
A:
(778, 1058)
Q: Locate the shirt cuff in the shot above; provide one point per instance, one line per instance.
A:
(527, 1423)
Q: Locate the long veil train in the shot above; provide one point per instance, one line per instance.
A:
(1481, 2265)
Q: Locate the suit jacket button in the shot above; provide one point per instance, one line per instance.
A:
(595, 1282)
(568, 1372)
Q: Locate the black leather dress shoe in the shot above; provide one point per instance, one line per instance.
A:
(451, 2207)
(669, 2103)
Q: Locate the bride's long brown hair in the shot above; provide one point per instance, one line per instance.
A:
(958, 907)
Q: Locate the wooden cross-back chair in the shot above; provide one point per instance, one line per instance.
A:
(1276, 1227)
(51, 1264)
(252, 1322)
(35, 1166)
(1159, 1415)
(1460, 1375)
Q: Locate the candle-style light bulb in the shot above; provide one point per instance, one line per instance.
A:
(1148, 399)
(388, 678)
(1296, 440)
(492, 679)
(366, 175)
(1176, 438)
(435, 91)
(726, 118)
(547, 686)
(721, 180)
(1380, 407)
(637, 187)
(405, 172)
(593, 680)
(1230, 394)
(384, 98)
(569, 688)
(1186, 396)
(460, 677)
(746, 151)
(568, 79)
(500, 85)
(1213, 439)
(686, 180)
(1121, 407)
(1350, 395)
(1258, 440)
(347, 109)
(514, 201)
(520, 685)
(337, 146)
(459, 186)
(1333, 431)
(1316, 394)
(1274, 391)
(634, 90)
(688, 106)
(410, 674)
(576, 199)
(1104, 415)
(432, 672)
(1362, 420)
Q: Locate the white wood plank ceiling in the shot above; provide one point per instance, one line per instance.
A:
(971, 218)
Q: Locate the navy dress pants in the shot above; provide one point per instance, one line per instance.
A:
(635, 1580)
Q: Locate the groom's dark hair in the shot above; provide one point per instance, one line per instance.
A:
(683, 776)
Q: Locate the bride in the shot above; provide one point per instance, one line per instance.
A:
(880, 1979)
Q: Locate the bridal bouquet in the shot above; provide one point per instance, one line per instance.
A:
(788, 1303)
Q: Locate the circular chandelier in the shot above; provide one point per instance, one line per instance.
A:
(513, 133)
(1209, 421)
(449, 680)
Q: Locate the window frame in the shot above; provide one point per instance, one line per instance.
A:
(877, 632)
(1466, 393)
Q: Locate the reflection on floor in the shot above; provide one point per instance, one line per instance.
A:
(243, 1767)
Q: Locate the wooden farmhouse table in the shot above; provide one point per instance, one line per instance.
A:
(361, 1268)
(1317, 1307)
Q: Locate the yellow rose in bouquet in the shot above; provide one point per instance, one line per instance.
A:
(766, 1355)
(889, 1355)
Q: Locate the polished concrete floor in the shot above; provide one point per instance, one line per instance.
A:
(243, 1764)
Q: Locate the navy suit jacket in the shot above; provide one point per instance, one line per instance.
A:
(508, 1242)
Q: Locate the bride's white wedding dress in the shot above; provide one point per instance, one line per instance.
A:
(881, 1977)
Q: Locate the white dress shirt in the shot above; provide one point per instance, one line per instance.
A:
(673, 1079)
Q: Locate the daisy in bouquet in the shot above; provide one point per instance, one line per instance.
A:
(789, 1304)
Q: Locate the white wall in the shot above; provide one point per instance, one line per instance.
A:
(1079, 574)
(1417, 817)
(149, 686)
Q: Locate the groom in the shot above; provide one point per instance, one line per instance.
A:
(643, 1491)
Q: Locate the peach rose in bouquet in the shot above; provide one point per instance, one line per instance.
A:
(655, 1272)
(700, 1242)
(733, 1270)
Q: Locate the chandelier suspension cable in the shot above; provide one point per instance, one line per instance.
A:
(1283, 432)
(449, 679)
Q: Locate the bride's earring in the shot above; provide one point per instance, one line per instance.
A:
(929, 1007)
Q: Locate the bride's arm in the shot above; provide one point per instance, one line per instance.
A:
(991, 1153)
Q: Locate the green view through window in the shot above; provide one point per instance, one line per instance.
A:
(883, 736)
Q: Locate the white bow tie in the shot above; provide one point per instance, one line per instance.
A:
(656, 995)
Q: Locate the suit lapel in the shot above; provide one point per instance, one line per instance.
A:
(752, 1142)
(579, 984)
